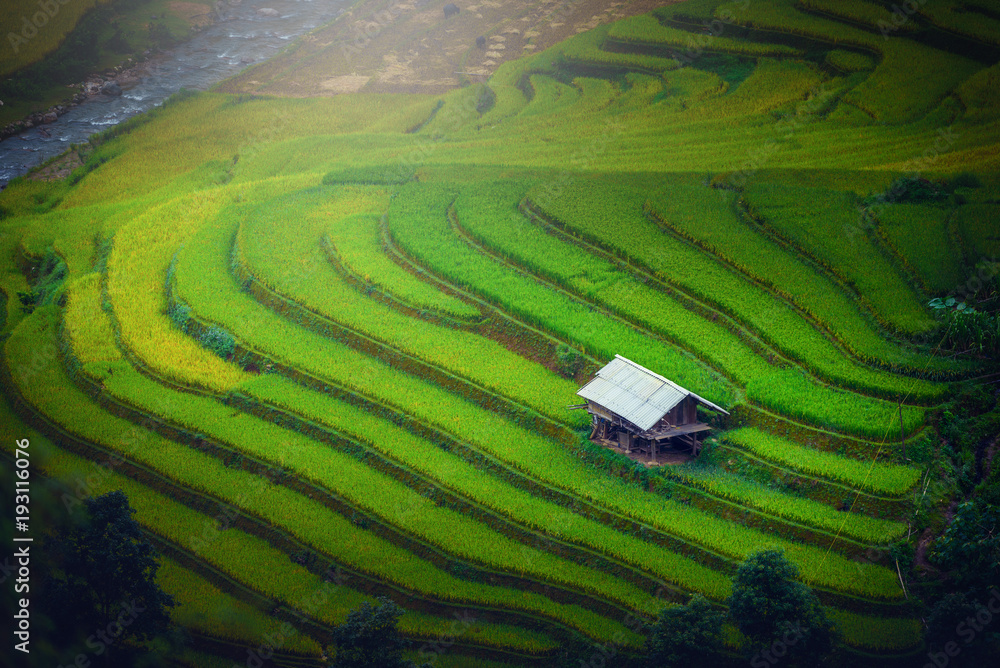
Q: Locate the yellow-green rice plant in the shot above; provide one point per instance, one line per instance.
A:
(137, 270)
(87, 325)
(357, 242)
(308, 520)
(293, 228)
(645, 30)
(827, 226)
(874, 477)
(854, 526)
(918, 233)
(519, 449)
(201, 606)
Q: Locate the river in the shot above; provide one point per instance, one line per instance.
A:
(238, 38)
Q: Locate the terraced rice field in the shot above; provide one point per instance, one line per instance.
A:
(355, 325)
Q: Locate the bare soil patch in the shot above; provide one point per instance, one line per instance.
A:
(59, 169)
(411, 47)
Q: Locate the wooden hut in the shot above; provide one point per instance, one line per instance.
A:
(641, 410)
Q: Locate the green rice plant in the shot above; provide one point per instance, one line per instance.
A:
(311, 281)
(877, 633)
(848, 61)
(357, 243)
(88, 329)
(195, 659)
(204, 263)
(645, 30)
(586, 49)
(308, 520)
(682, 205)
(955, 17)
(201, 606)
(456, 660)
(977, 94)
(137, 268)
(874, 477)
(910, 81)
(257, 565)
(504, 84)
(465, 479)
(796, 509)
(418, 220)
(550, 96)
(977, 227)
(693, 206)
(919, 235)
(819, 221)
(161, 158)
(360, 485)
(250, 434)
(783, 16)
(868, 13)
(774, 86)
(44, 36)
(577, 207)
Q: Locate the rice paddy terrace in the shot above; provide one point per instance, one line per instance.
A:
(327, 344)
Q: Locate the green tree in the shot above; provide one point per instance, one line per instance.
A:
(683, 634)
(370, 637)
(969, 549)
(962, 620)
(781, 616)
(103, 588)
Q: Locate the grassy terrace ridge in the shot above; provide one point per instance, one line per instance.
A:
(560, 470)
(352, 481)
(204, 608)
(349, 296)
(252, 562)
(821, 238)
(356, 242)
(464, 354)
(791, 276)
(877, 477)
(793, 335)
(541, 305)
(265, 499)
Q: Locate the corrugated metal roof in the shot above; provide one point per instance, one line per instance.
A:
(635, 393)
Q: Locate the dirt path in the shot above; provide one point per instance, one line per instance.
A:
(412, 47)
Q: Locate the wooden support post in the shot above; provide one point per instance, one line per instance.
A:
(655, 446)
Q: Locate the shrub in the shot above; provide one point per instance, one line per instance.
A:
(218, 340)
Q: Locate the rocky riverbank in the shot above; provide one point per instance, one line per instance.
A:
(109, 82)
